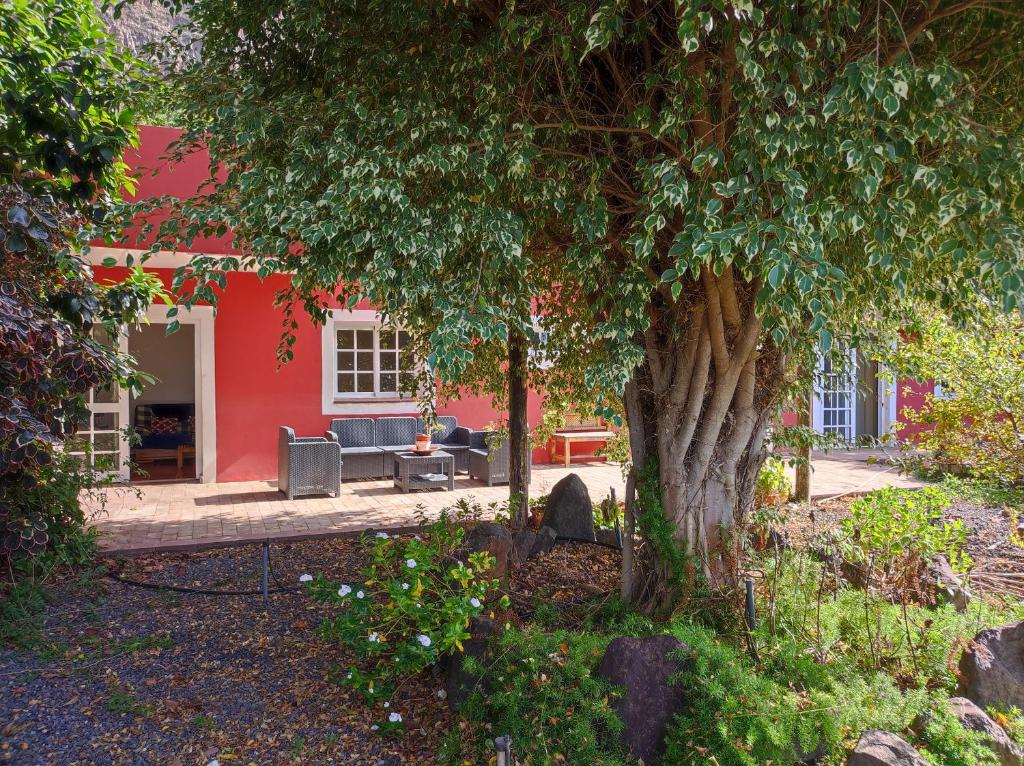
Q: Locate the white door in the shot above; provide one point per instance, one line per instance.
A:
(101, 441)
(835, 403)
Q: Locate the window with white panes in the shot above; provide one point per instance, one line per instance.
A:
(371, 362)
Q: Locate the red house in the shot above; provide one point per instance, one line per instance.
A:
(219, 372)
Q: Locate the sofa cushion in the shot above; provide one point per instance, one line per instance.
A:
(396, 431)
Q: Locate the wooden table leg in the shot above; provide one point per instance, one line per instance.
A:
(565, 448)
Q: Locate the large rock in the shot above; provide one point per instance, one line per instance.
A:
(496, 540)
(883, 748)
(942, 585)
(569, 511)
(546, 537)
(974, 718)
(643, 667)
(992, 667)
(460, 682)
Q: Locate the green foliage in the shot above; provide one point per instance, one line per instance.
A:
(546, 698)
(944, 740)
(976, 425)
(842, 628)
(895, 531)
(990, 493)
(773, 483)
(412, 607)
(63, 123)
(657, 530)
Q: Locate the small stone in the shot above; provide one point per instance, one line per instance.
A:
(883, 748)
(974, 718)
(545, 541)
(495, 540)
(992, 667)
(943, 584)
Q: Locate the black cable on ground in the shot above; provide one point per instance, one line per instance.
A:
(204, 591)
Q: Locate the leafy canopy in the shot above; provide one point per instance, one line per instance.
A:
(459, 164)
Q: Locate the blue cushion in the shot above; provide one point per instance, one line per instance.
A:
(165, 441)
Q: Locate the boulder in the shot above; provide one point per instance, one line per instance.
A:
(545, 541)
(522, 544)
(942, 585)
(883, 748)
(460, 683)
(643, 667)
(496, 540)
(608, 537)
(569, 511)
(992, 667)
(974, 718)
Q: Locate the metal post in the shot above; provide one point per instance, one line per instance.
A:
(266, 572)
(751, 617)
(503, 748)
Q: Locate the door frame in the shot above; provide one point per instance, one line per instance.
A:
(202, 318)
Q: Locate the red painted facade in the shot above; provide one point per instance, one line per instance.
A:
(254, 393)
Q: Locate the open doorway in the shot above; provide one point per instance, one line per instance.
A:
(164, 413)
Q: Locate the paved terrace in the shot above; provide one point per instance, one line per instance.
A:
(183, 516)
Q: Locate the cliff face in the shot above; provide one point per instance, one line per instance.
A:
(144, 22)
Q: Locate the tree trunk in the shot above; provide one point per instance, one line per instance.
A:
(701, 406)
(802, 487)
(518, 431)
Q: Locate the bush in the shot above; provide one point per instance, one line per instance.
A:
(541, 692)
(413, 606)
(773, 484)
(975, 426)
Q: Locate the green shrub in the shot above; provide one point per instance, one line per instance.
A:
(540, 691)
(945, 742)
(895, 531)
(773, 483)
(412, 606)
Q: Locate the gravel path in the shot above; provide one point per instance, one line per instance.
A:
(146, 677)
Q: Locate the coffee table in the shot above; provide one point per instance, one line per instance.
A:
(413, 471)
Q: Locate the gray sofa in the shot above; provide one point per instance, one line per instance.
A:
(307, 465)
(367, 444)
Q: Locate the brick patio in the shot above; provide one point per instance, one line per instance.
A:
(181, 516)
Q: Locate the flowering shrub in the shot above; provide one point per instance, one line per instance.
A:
(413, 606)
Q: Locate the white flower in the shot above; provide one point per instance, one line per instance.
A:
(306, 578)
(349, 676)
(374, 638)
(382, 535)
(374, 727)
(423, 639)
(441, 694)
(344, 590)
(475, 602)
(405, 586)
(419, 606)
(360, 594)
(411, 563)
(387, 704)
(395, 717)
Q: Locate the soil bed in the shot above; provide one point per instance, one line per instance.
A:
(143, 677)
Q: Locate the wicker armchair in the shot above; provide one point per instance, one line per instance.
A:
(308, 465)
(489, 458)
(357, 437)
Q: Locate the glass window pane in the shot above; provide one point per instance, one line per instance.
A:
(388, 383)
(364, 361)
(364, 339)
(346, 339)
(346, 384)
(105, 442)
(105, 421)
(388, 361)
(387, 339)
(403, 338)
(346, 362)
(105, 462)
(364, 383)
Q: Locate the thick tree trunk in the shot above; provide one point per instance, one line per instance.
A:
(701, 406)
(519, 431)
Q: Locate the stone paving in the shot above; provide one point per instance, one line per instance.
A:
(189, 515)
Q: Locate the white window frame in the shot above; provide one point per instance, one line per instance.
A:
(357, 403)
